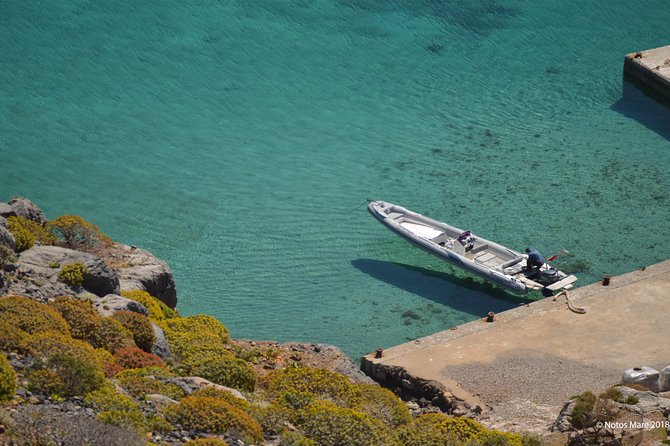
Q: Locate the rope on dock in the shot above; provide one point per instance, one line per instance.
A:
(571, 306)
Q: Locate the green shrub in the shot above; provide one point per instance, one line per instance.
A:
(122, 418)
(54, 265)
(112, 335)
(44, 345)
(197, 334)
(139, 326)
(72, 274)
(45, 382)
(80, 315)
(384, 405)
(74, 376)
(273, 418)
(611, 394)
(213, 392)
(322, 383)
(631, 399)
(134, 358)
(440, 429)
(222, 368)
(582, 412)
(27, 232)
(212, 415)
(158, 311)
(331, 425)
(76, 233)
(108, 398)
(289, 438)
(30, 316)
(7, 379)
(140, 383)
(6, 255)
(10, 336)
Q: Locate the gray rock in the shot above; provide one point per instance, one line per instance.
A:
(160, 347)
(6, 237)
(6, 211)
(27, 209)
(35, 265)
(192, 383)
(664, 381)
(148, 273)
(159, 400)
(3, 220)
(111, 303)
(645, 376)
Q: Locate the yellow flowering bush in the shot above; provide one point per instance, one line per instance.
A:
(30, 316)
(7, 379)
(112, 336)
(187, 336)
(114, 407)
(72, 274)
(213, 392)
(440, 429)
(322, 383)
(221, 368)
(10, 336)
(26, 232)
(214, 416)
(76, 233)
(80, 315)
(158, 311)
(330, 425)
(384, 405)
(142, 382)
(139, 326)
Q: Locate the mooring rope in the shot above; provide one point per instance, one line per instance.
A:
(571, 306)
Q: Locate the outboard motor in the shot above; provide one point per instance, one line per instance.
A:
(547, 276)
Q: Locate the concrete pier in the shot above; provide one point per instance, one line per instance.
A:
(537, 356)
(651, 67)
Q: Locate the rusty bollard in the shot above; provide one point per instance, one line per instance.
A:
(378, 353)
(606, 280)
(490, 317)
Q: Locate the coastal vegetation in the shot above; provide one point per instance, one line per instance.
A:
(132, 369)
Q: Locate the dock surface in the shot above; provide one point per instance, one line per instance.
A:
(535, 357)
(651, 67)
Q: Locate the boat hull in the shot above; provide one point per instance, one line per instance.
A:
(489, 260)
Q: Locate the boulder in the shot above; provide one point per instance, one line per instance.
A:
(645, 376)
(27, 209)
(143, 271)
(160, 347)
(192, 383)
(664, 381)
(6, 237)
(38, 263)
(6, 211)
(111, 303)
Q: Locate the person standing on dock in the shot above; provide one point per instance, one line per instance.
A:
(535, 259)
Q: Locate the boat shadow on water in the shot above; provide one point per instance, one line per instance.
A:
(460, 293)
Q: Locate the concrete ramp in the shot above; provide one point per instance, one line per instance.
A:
(537, 356)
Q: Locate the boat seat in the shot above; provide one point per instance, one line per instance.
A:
(479, 248)
(512, 262)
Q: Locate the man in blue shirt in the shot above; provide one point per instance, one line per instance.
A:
(535, 259)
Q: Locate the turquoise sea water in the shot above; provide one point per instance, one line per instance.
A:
(238, 139)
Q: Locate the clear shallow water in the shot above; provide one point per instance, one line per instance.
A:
(237, 141)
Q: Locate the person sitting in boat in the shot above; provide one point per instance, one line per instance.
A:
(467, 240)
(535, 259)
